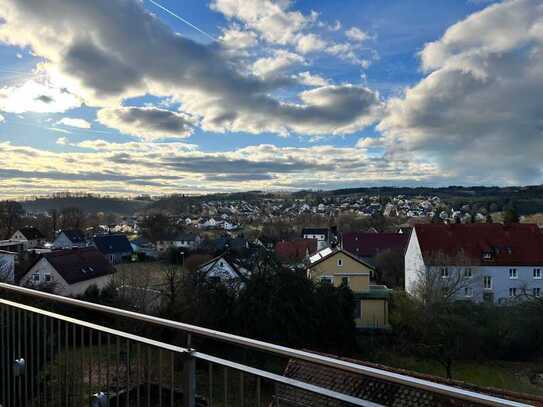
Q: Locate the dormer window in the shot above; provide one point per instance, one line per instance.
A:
(487, 256)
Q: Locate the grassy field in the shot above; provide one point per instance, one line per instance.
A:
(513, 376)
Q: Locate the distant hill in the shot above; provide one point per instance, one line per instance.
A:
(88, 204)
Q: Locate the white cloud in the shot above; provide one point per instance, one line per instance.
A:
(19, 55)
(348, 52)
(147, 122)
(480, 99)
(2, 119)
(309, 79)
(310, 43)
(237, 38)
(135, 168)
(356, 34)
(36, 97)
(276, 64)
(272, 20)
(105, 68)
(73, 122)
(62, 141)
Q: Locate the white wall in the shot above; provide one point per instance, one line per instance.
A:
(414, 263)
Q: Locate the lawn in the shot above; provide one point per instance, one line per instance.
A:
(513, 376)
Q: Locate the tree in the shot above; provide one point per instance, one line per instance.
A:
(510, 215)
(156, 226)
(444, 278)
(72, 218)
(11, 213)
(390, 269)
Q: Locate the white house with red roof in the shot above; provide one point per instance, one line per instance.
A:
(499, 262)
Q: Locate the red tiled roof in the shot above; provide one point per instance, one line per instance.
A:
(295, 250)
(370, 244)
(483, 243)
(383, 392)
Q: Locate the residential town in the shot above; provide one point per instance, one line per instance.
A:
(271, 203)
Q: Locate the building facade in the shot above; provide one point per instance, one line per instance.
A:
(339, 267)
(497, 263)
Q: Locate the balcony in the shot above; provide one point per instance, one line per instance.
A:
(48, 358)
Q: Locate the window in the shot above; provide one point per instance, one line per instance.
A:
(326, 280)
(536, 291)
(467, 272)
(35, 277)
(487, 282)
(345, 281)
(513, 292)
(513, 275)
(444, 272)
(48, 278)
(340, 262)
(468, 292)
(537, 274)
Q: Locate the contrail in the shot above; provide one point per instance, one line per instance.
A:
(183, 20)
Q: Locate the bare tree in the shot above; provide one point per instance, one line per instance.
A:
(445, 278)
(6, 270)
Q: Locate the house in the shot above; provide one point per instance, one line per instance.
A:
(31, 236)
(14, 246)
(321, 235)
(295, 251)
(183, 240)
(187, 241)
(7, 266)
(70, 271)
(225, 269)
(116, 248)
(143, 246)
(368, 245)
(496, 262)
(70, 238)
(378, 392)
(338, 267)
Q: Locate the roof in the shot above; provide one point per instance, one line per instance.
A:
(482, 243)
(31, 233)
(371, 244)
(110, 244)
(74, 235)
(76, 265)
(378, 391)
(229, 259)
(315, 231)
(325, 254)
(295, 249)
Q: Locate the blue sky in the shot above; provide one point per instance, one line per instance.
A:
(122, 97)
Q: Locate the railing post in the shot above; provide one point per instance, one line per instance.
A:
(189, 379)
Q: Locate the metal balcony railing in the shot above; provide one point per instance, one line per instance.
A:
(49, 359)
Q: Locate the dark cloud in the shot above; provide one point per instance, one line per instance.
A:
(224, 165)
(45, 99)
(146, 122)
(116, 49)
(84, 176)
(240, 177)
(478, 113)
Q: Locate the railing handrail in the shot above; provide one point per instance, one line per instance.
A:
(339, 364)
(198, 355)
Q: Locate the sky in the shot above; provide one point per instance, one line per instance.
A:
(129, 97)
